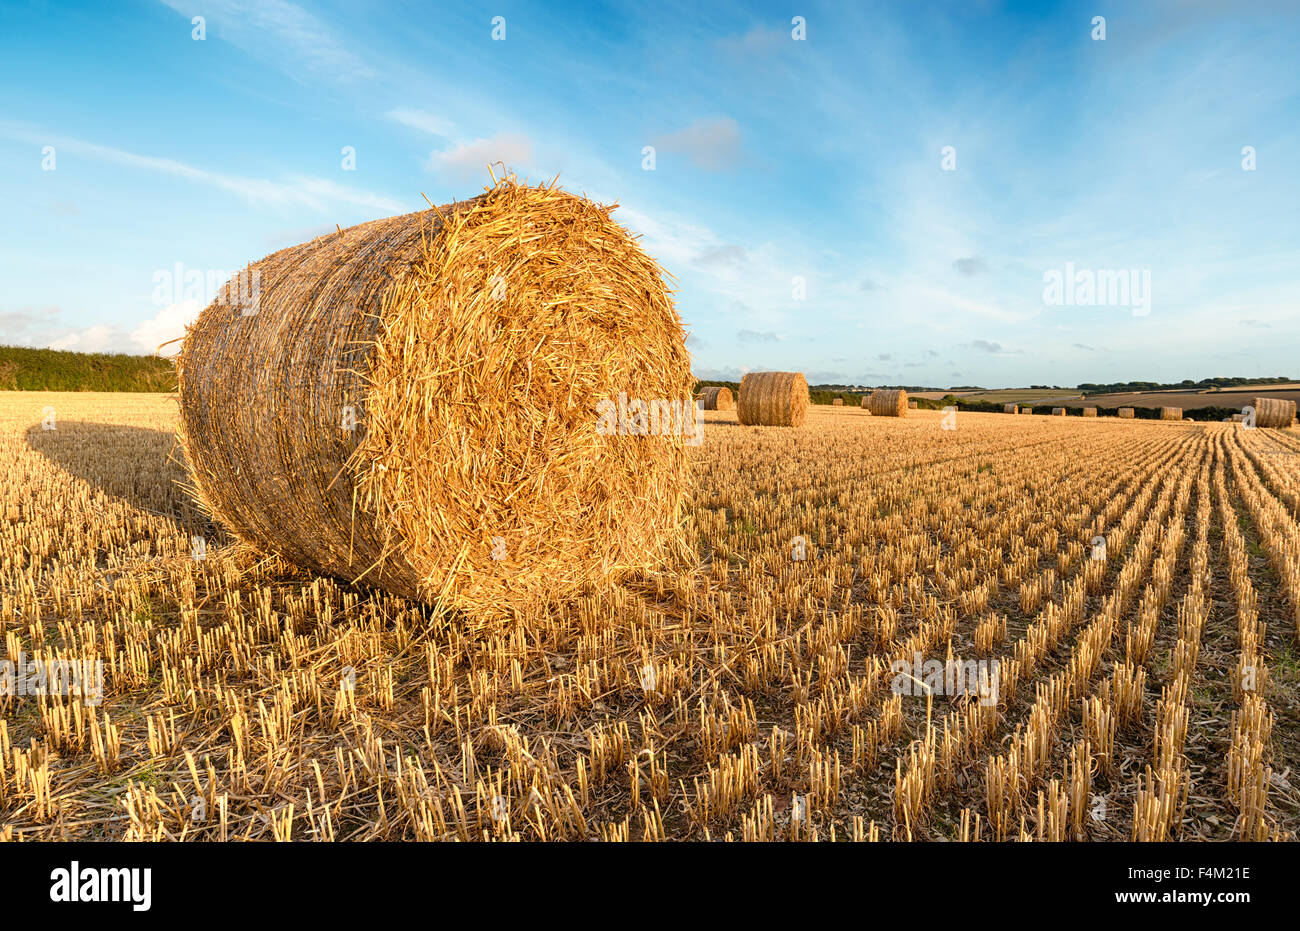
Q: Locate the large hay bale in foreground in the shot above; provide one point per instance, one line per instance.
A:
(1011, 408)
(889, 402)
(773, 399)
(1058, 412)
(1171, 413)
(1090, 412)
(1274, 412)
(715, 398)
(1125, 413)
(448, 405)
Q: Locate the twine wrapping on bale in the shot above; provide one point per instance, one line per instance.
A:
(1058, 412)
(888, 402)
(420, 403)
(773, 399)
(1171, 413)
(1090, 412)
(1274, 412)
(1125, 413)
(1011, 408)
(716, 399)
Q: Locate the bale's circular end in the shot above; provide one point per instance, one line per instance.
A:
(773, 399)
(483, 406)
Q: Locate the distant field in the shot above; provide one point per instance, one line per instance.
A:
(1189, 400)
(1008, 395)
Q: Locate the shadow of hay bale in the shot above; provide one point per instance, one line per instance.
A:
(136, 465)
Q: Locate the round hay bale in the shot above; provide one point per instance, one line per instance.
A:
(866, 403)
(889, 402)
(1058, 412)
(837, 402)
(1236, 418)
(449, 405)
(1171, 413)
(773, 399)
(1011, 408)
(1274, 412)
(911, 405)
(716, 398)
(1125, 413)
(1090, 412)
(1026, 410)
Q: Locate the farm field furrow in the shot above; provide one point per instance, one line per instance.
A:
(881, 628)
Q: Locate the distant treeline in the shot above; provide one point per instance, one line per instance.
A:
(1124, 387)
(24, 369)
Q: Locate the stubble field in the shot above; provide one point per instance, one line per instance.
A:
(1127, 593)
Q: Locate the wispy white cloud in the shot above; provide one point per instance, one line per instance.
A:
(296, 190)
(281, 33)
(713, 145)
(465, 160)
(422, 120)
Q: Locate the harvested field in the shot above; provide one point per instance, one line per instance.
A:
(1136, 583)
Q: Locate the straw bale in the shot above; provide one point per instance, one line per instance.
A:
(1274, 412)
(715, 398)
(773, 399)
(889, 402)
(423, 403)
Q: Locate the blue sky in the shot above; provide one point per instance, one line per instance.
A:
(781, 166)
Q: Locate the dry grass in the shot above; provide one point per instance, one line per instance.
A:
(748, 696)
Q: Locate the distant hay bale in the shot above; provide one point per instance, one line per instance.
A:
(1274, 412)
(1171, 413)
(1125, 413)
(425, 403)
(838, 402)
(1011, 408)
(912, 405)
(1236, 418)
(866, 403)
(1090, 412)
(1026, 410)
(714, 398)
(773, 399)
(1058, 412)
(889, 402)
